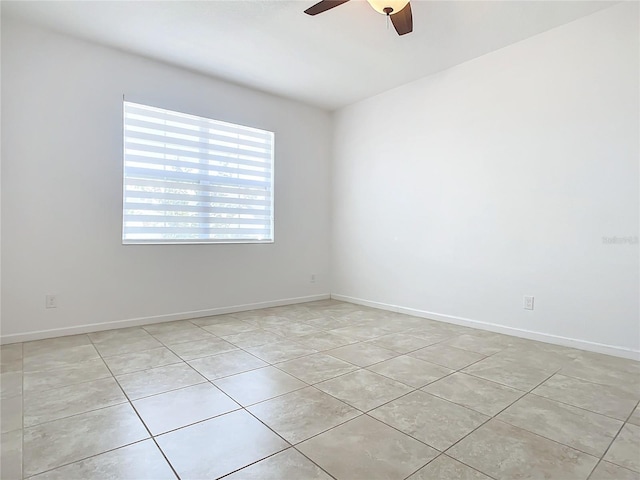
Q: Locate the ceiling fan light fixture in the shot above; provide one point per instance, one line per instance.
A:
(382, 6)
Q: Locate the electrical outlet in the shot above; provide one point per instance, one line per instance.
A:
(313, 278)
(528, 302)
(50, 301)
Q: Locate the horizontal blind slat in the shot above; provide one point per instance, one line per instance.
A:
(177, 220)
(187, 178)
(197, 230)
(154, 207)
(172, 148)
(140, 138)
(132, 109)
(215, 186)
(187, 197)
(199, 187)
(211, 132)
(219, 200)
(159, 162)
(164, 207)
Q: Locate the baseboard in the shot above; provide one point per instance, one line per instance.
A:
(493, 327)
(135, 322)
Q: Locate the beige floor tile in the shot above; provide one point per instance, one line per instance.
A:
(11, 455)
(229, 328)
(580, 429)
(617, 364)
(371, 361)
(476, 343)
(602, 399)
(184, 334)
(143, 360)
(362, 354)
(70, 439)
(364, 390)
(432, 335)
(252, 338)
(475, 393)
(71, 400)
(411, 371)
(293, 329)
(304, 413)
(48, 345)
(287, 465)
(324, 341)
(11, 414)
(635, 417)
(258, 385)
(141, 460)
(609, 471)
(11, 358)
(509, 373)
(269, 321)
(539, 357)
(126, 340)
(625, 450)
(176, 326)
(80, 372)
(177, 408)
(10, 352)
(49, 359)
(364, 448)
(447, 356)
(281, 351)
(606, 370)
(158, 380)
(400, 342)
(214, 320)
(232, 441)
(429, 419)
(118, 334)
(202, 348)
(226, 364)
(446, 468)
(326, 323)
(506, 452)
(316, 368)
(362, 332)
(10, 384)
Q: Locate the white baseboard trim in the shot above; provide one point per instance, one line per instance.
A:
(493, 327)
(135, 322)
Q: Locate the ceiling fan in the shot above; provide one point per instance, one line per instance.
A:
(398, 10)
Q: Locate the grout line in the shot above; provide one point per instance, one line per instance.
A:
(492, 417)
(139, 416)
(86, 458)
(305, 456)
(355, 322)
(564, 374)
(615, 437)
(440, 454)
(551, 399)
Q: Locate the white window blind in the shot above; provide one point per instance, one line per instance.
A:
(190, 179)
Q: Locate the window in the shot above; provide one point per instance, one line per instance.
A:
(190, 179)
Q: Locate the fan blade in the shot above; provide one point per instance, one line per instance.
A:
(403, 20)
(323, 6)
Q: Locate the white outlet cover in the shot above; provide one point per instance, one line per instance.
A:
(528, 302)
(50, 301)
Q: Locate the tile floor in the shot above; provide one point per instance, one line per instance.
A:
(315, 391)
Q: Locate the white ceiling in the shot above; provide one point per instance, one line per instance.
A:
(330, 60)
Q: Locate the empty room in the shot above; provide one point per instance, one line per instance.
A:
(314, 240)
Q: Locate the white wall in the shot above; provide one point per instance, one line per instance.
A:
(62, 193)
(461, 192)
